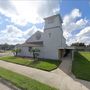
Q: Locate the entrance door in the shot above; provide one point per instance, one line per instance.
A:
(61, 53)
(64, 53)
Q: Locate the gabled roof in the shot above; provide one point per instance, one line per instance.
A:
(36, 37)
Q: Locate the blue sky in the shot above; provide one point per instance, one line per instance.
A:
(77, 27)
(19, 19)
(68, 5)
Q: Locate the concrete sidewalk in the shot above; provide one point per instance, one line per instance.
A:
(61, 81)
(4, 87)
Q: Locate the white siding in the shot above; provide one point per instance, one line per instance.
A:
(53, 21)
(25, 52)
(53, 37)
(53, 43)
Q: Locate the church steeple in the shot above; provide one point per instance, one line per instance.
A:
(53, 21)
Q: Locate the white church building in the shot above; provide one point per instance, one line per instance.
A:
(50, 42)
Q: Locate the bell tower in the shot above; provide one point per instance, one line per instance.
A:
(53, 21)
(53, 36)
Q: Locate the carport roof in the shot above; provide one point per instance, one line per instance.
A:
(67, 47)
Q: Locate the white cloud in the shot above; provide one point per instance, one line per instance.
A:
(71, 17)
(71, 23)
(49, 7)
(85, 39)
(13, 35)
(12, 31)
(84, 35)
(75, 13)
(6, 5)
(21, 12)
(24, 11)
(85, 31)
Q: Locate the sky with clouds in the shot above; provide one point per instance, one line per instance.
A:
(19, 19)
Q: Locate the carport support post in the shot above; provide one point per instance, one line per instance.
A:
(72, 54)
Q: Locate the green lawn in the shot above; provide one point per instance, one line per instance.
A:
(81, 65)
(47, 65)
(23, 82)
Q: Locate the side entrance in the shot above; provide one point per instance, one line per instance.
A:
(64, 53)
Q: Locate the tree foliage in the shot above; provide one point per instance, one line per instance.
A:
(6, 47)
(16, 51)
(78, 44)
(35, 52)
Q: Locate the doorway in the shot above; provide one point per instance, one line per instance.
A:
(64, 53)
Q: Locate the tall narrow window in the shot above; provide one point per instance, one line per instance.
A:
(29, 48)
(49, 35)
(38, 36)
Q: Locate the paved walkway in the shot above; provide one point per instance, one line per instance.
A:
(61, 81)
(66, 66)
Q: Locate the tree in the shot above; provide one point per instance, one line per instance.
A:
(35, 52)
(4, 46)
(88, 45)
(16, 51)
(78, 44)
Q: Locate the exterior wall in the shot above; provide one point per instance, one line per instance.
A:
(53, 42)
(63, 41)
(25, 52)
(53, 37)
(53, 21)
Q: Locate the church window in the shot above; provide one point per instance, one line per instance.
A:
(49, 35)
(29, 48)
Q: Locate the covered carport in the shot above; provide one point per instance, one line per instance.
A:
(65, 52)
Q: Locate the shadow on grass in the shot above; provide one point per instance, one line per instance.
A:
(34, 62)
(44, 64)
(81, 67)
(56, 62)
